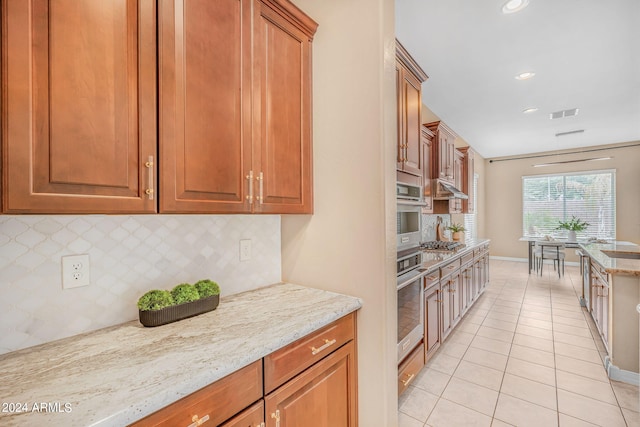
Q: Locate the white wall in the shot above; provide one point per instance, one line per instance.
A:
(348, 245)
(128, 256)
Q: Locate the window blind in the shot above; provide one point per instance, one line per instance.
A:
(471, 220)
(589, 196)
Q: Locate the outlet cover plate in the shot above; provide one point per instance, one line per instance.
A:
(75, 271)
(245, 249)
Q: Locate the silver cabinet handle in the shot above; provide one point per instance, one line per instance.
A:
(326, 344)
(149, 165)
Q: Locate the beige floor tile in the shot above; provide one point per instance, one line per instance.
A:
(531, 371)
(513, 318)
(567, 313)
(504, 297)
(536, 323)
(590, 410)
(431, 381)
(491, 344)
(468, 327)
(498, 423)
(568, 321)
(443, 363)
(563, 305)
(505, 303)
(573, 330)
(461, 337)
(480, 375)
(533, 342)
(535, 315)
(471, 395)
(631, 417)
(567, 421)
(533, 355)
(405, 420)
(500, 324)
(579, 384)
(475, 318)
(627, 394)
(540, 301)
(574, 340)
(531, 391)
(535, 332)
(496, 334)
(505, 310)
(417, 403)
(536, 308)
(450, 414)
(524, 414)
(453, 349)
(594, 371)
(486, 358)
(586, 354)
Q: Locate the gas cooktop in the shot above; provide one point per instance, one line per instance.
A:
(439, 245)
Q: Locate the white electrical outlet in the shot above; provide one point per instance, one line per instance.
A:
(245, 250)
(75, 271)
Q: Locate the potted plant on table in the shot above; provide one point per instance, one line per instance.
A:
(456, 231)
(573, 226)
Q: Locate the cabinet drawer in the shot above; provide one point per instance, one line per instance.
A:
(289, 361)
(450, 268)
(408, 370)
(218, 401)
(250, 417)
(467, 258)
(431, 279)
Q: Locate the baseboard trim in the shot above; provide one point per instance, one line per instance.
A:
(618, 374)
(507, 258)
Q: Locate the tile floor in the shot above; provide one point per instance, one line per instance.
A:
(524, 355)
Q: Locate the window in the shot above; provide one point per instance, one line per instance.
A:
(471, 220)
(590, 196)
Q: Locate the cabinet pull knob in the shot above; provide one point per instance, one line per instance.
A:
(276, 416)
(149, 165)
(250, 196)
(432, 277)
(438, 300)
(326, 344)
(408, 379)
(198, 421)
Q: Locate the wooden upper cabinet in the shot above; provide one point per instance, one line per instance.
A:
(282, 143)
(79, 110)
(468, 179)
(427, 165)
(443, 151)
(455, 205)
(235, 107)
(409, 78)
(205, 97)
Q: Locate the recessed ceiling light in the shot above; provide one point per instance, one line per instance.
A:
(525, 76)
(530, 110)
(513, 6)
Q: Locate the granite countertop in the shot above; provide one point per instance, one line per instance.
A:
(614, 265)
(117, 375)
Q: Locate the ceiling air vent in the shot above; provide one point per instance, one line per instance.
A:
(564, 113)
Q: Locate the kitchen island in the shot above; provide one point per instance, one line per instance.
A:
(613, 279)
(117, 375)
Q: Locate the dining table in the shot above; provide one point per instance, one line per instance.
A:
(532, 240)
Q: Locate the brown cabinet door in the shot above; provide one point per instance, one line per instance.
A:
(79, 119)
(250, 417)
(205, 98)
(401, 114)
(282, 114)
(468, 180)
(445, 319)
(322, 396)
(455, 298)
(427, 142)
(432, 309)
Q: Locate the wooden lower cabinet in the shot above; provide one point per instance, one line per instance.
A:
(311, 382)
(322, 396)
(410, 367)
(432, 314)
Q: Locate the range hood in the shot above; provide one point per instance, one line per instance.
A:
(445, 191)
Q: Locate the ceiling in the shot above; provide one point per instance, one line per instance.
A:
(585, 55)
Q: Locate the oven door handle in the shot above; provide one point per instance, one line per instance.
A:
(407, 281)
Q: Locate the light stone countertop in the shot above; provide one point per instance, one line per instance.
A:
(614, 265)
(117, 375)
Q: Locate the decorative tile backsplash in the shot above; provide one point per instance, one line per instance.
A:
(128, 256)
(429, 222)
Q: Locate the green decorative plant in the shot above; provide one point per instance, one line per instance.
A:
(207, 288)
(185, 292)
(574, 224)
(456, 227)
(155, 300)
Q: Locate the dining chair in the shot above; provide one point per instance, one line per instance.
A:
(549, 250)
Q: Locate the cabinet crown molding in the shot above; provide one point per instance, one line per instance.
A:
(440, 126)
(408, 61)
(295, 15)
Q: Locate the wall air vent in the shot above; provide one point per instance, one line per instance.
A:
(571, 132)
(564, 113)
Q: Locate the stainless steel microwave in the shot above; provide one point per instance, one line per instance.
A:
(408, 192)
